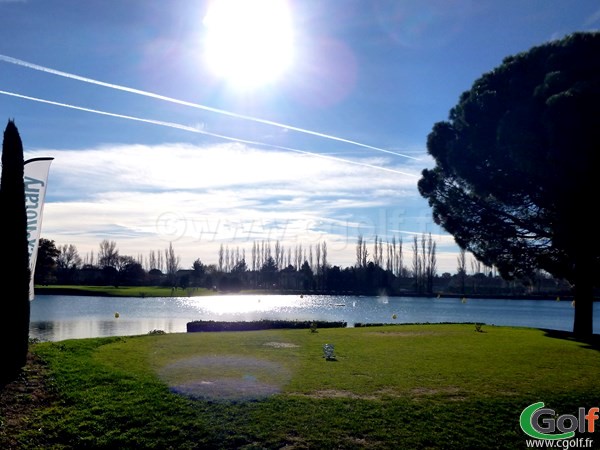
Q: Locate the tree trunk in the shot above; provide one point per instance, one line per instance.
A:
(583, 325)
(14, 267)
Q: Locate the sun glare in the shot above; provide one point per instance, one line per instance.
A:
(248, 43)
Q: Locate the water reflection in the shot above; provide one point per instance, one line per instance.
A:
(58, 330)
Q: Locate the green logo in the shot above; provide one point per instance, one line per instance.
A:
(542, 423)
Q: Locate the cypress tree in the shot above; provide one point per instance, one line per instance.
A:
(14, 266)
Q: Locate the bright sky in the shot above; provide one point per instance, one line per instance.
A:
(203, 123)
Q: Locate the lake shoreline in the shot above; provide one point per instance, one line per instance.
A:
(110, 291)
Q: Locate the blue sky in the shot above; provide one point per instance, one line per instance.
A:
(336, 151)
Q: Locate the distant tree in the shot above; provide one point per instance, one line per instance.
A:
(515, 179)
(155, 277)
(430, 261)
(397, 260)
(278, 253)
(240, 267)
(152, 261)
(417, 267)
(461, 268)
(298, 256)
(14, 270)
(198, 271)
(268, 271)
(131, 272)
(68, 257)
(221, 257)
(110, 276)
(376, 251)
(318, 258)
(269, 266)
(227, 266)
(159, 261)
(324, 256)
(324, 264)
(172, 262)
(254, 256)
(361, 252)
(46, 263)
(108, 255)
(307, 275)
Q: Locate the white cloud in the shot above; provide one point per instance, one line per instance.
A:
(143, 197)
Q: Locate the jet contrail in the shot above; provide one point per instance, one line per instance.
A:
(199, 131)
(20, 62)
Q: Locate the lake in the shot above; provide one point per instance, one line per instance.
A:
(58, 317)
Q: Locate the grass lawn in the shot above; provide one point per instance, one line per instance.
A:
(389, 387)
(122, 291)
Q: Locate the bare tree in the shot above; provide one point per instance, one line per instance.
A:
(299, 255)
(417, 268)
(318, 257)
(461, 268)
(221, 256)
(254, 256)
(324, 255)
(359, 249)
(399, 259)
(68, 257)
(430, 261)
(377, 252)
(152, 260)
(88, 259)
(278, 253)
(172, 264)
(108, 254)
(159, 261)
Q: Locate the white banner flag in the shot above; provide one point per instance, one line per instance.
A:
(36, 178)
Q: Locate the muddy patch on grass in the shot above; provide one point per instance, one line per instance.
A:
(280, 345)
(228, 378)
(226, 389)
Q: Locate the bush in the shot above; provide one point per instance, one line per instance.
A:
(210, 325)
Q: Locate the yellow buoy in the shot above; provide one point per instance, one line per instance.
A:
(116, 315)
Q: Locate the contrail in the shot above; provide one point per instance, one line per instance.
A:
(72, 76)
(199, 131)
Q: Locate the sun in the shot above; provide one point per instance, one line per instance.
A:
(249, 43)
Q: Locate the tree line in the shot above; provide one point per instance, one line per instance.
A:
(380, 267)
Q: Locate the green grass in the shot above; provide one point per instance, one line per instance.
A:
(397, 386)
(123, 291)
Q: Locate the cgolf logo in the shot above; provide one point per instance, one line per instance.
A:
(543, 423)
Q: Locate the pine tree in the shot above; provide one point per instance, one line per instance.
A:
(14, 267)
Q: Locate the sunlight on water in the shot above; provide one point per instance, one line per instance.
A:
(55, 317)
(240, 304)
